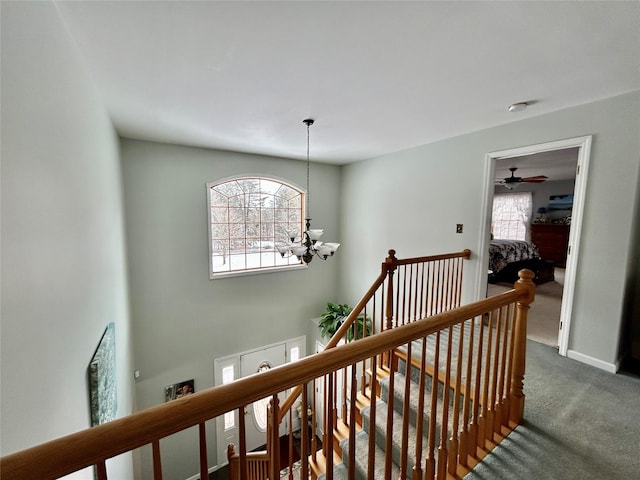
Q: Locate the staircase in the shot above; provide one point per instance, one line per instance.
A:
(404, 437)
(381, 416)
(428, 420)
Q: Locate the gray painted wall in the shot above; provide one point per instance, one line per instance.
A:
(182, 320)
(63, 251)
(414, 208)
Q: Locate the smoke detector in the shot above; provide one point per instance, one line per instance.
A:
(518, 107)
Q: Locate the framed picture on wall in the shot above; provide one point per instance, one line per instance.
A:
(103, 398)
(178, 390)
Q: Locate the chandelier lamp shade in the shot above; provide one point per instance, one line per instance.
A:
(308, 245)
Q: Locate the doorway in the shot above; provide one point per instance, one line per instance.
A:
(229, 369)
(583, 146)
(256, 414)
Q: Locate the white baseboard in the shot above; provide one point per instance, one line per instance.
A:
(594, 362)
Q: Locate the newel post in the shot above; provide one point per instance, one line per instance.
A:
(525, 283)
(273, 437)
(390, 264)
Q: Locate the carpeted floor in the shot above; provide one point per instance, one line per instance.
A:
(580, 423)
(544, 316)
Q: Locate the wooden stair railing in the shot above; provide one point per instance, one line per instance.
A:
(479, 419)
(405, 290)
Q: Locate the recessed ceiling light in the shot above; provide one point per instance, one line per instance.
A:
(518, 107)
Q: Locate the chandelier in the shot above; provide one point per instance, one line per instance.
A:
(309, 245)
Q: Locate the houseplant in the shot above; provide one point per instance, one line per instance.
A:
(335, 314)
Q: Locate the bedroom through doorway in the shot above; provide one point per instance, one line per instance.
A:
(534, 212)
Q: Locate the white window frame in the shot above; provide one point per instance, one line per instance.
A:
(255, 253)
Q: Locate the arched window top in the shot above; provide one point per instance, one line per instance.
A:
(249, 217)
(239, 187)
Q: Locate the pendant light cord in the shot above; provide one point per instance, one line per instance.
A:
(308, 122)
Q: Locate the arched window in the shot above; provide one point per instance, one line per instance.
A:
(248, 217)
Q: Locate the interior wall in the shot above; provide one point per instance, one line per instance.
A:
(63, 254)
(417, 209)
(182, 320)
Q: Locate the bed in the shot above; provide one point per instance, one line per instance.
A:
(503, 252)
(507, 257)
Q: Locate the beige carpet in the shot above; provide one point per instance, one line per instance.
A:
(544, 317)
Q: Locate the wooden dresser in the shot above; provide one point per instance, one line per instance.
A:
(552, 240)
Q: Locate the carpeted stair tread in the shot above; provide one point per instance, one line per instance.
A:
(339, 473)
(414, 392)
(381, 433)
(456, 337)
(416, 348)
(362, 460)
(398, 397)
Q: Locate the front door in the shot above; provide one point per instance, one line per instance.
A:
(256, 413)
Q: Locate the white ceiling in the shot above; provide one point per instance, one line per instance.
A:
(377, 77)
(555, 165)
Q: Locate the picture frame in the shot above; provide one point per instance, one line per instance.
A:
(179, 390)
(103, 398)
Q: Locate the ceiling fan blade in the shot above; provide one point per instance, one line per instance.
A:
(536, 179)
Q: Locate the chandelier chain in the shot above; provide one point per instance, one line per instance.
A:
(308, 211)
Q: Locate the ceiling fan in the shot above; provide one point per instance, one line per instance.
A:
(513, 181)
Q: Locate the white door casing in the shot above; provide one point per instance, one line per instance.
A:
(580, 190)
(244, 364)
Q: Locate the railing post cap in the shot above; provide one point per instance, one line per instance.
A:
(390, 263)
(525, 282)
(526, 276)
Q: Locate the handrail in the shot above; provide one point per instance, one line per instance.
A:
(73, 452)
(388, 267)
(340, 334)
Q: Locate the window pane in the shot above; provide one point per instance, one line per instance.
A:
(218, 199)
(236, 215)
(219, 231)
(295, 354)
(228, 376)
(229, 189)
(219, 214)
(236, 201)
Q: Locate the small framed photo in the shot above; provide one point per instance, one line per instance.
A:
(178, 390)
